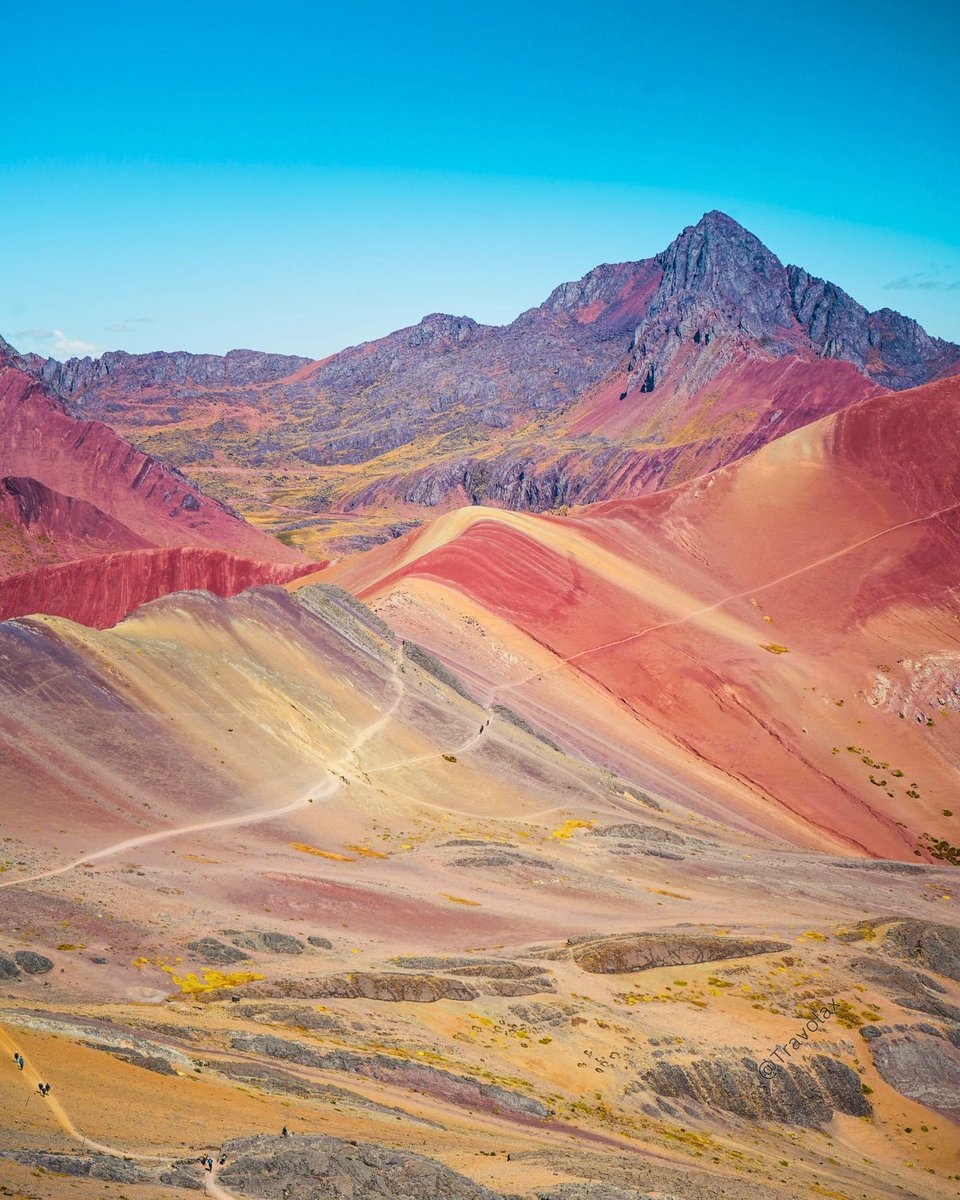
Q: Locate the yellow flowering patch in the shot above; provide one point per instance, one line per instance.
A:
(460, 900)
(305, 849)
(191, 984)
(567, 828)
(367, 852)
(773, 648)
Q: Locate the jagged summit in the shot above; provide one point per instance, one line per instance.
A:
(717, 264)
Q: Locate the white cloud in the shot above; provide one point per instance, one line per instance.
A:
(72, 346)
(56, 343)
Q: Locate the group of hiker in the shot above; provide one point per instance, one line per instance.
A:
(42, 1088)
(207, 1161)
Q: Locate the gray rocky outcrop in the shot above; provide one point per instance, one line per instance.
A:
(315, 1167)
(622, 953)
(806, 1095)
(928, 944)
(33, 963)
(921, 1065)
(262, 941)
(210, 950)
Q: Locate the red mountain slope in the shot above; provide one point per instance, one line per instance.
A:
(785, 628)
(75, 490)
(100, 591)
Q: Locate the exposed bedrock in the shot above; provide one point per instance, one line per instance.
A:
(621, 953)
(314, 1167)
(804, 1096)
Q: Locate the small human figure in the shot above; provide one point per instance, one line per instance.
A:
(283, 1132)
(223, 1159)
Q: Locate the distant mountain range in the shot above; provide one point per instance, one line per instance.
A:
(634, 378)
(92, 527)
(637, 376)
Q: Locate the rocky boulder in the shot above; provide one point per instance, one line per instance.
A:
(33, 963)
(267, 941)
(209, 950)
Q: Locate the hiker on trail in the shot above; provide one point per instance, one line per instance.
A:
(223, 1159)
(283, 1132)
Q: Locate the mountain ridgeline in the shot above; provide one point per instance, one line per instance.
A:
(638, 376)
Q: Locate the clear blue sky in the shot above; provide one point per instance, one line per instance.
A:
(302, 176)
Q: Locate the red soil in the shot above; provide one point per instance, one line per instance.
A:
(839, 542)
(100, 591)
(88, 462)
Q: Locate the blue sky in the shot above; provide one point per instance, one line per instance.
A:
(299, 177)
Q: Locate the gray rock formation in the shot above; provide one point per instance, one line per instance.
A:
(922, 1066)
(928, 944)
(313, 1167)
(33, 963)
(371, 985)
(237, 368)
(794, 1095)
(268, 941)
(622, 953)
(210, 950)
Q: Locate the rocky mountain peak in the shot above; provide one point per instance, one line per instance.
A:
(717, 265)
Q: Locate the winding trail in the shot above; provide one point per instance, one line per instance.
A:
(323, 791)
(328, 787)
(212, 1188)
(32, 1077)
